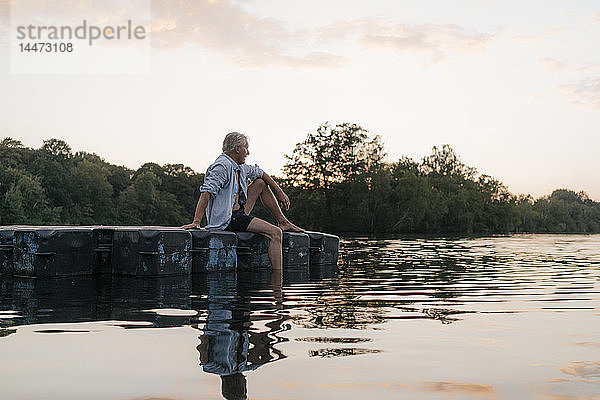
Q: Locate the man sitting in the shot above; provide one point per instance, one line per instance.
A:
(228, 200)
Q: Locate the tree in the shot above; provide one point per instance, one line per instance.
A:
(139, 203)
(92, 196)
(144, 203)
(119, 178)
(184, 183)
(333, 155)
(446, 162)
(57, 148)
(343, 158)
(25, 201)
(54, 164)
(12, 153)
(11, 143)
(412, 198)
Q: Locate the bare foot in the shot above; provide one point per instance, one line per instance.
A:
(289, 227)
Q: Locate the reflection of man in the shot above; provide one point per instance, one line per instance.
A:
(225, 353)
(233, 387)
(228, 200)
(227, 348)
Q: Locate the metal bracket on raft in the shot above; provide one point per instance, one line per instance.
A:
(48, 254)
(243, 250)
(200, 250)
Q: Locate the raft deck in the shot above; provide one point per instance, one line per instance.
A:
(54, 251)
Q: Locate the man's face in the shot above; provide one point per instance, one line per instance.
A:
(242, 152)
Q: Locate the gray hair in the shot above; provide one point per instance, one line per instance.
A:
(233, 140)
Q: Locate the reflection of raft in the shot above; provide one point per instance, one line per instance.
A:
(151, 251)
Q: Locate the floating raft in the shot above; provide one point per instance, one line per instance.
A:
(53, 251)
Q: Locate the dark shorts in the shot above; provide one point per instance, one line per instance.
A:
(239, 221)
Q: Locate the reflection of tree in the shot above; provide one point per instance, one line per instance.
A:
(229, 344)
(384, 277)
(439, 262)
(6, 332)
(341, 352)
(347, 315)
(97, 298)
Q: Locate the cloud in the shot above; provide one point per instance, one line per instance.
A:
(550, 396)
(68, 11)
(586, 67)
(240, 36)
(587, 344)
(587, 370)
(253, 40)
(453, 387)
(553, 64)
(435, 39)
(534, 38)
(585, 92)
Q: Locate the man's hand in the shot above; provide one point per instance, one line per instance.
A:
(193, 225)
(284, 200)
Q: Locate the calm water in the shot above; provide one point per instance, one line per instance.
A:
(487, 318)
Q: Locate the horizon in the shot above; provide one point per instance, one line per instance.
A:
(513, 88)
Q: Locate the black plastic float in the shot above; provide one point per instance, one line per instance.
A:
(52, 251)
(151, 251)
(103, 248)
(213, 251)
(6, 249)
(252, 252)
(323, 248)
(296, 250)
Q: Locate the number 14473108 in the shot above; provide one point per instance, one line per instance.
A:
(39, 47)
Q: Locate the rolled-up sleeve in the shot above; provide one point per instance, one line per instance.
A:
(215, 178)
(253, 171)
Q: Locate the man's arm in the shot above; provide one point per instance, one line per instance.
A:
(200, 209)
(216, 177)
(284, 200)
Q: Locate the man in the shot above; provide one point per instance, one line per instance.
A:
(228, 200)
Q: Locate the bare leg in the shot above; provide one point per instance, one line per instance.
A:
(260, 188)
(275, 236)
(276, 281)
(254, 191)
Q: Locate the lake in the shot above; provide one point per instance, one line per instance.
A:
(506, 317)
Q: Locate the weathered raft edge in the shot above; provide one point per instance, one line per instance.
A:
(53, 251)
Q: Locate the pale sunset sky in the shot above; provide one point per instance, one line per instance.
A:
(512, 86)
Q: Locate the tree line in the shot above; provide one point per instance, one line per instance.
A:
(54, 186)
(337, 180)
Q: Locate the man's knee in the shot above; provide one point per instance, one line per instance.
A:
(276, 234)
(260, 183)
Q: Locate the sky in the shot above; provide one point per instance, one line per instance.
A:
(512, 86)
